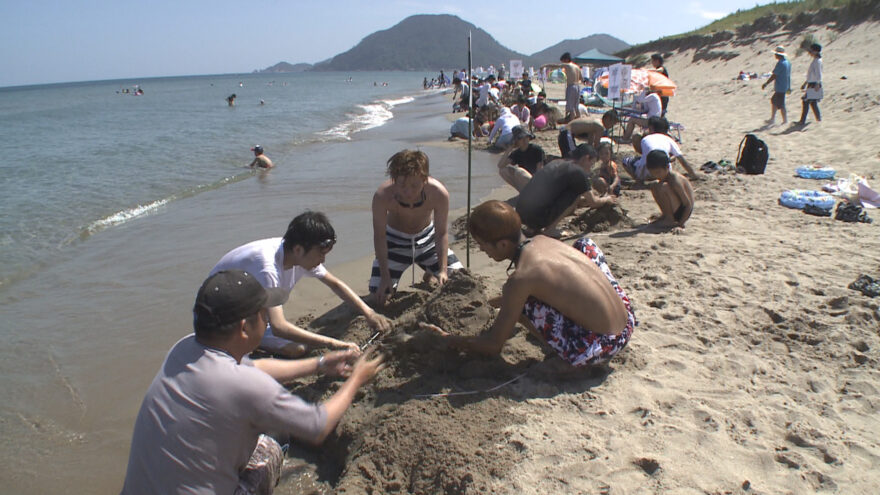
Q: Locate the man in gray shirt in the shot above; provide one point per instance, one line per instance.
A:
(201, 420)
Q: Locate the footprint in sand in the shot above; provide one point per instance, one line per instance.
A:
(705, 421)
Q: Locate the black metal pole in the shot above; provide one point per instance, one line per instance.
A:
(470, 82)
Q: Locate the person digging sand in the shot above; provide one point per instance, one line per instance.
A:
(566, 297)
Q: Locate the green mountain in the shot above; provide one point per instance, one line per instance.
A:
(434, 42)
(605, 43)
(422, 42)
(284, 67)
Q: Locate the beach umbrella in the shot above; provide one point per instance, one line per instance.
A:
(642, 78)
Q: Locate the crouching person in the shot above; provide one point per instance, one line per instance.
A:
(565, 296)
(201, 424)
(410, 212)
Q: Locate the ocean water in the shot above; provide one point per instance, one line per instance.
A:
(114, 207)
(83, 157)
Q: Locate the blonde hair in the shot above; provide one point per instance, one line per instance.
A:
(406, 163)
(494, 221)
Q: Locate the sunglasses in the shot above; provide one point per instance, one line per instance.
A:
(327, 243)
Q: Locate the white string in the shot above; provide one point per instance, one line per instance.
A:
(470, 392)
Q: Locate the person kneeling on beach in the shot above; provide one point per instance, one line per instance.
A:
(260, 160)
(566, 297)
(282, 262)
(202, 424)
(410, 212)
(558, 189)
(522, 159)
(673, 193)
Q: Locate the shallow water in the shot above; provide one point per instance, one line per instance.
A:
(88, 324)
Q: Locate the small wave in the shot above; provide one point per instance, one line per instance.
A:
(138, 211)
(124, 216)
(374, 115)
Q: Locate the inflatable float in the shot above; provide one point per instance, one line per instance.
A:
(799, 198)
(812, 172)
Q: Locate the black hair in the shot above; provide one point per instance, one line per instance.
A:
(657, 159)
(583, 150)
(657, 57)
(308, 230)
(565, 56)
(816, 47)
(659, 124)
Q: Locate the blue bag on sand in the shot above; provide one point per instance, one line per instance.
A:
(798, 198)
(811, 172)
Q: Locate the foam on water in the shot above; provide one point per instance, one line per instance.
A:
(372, 115)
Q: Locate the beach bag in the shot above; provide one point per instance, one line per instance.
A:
(753, 155)
(851, 212)
(566, 143)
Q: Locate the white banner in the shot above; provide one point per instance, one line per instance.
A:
(618, 79)
(516, 69)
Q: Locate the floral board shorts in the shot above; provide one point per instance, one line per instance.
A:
(574, 343)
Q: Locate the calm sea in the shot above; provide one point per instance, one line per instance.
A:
(114, 207)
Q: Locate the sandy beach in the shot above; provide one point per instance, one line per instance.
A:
(753, 368)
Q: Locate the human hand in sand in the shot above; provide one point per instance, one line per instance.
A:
(383, 292)
(368, 366)
(434, 328)
(337, 363)
(378, 322)
(347, 346)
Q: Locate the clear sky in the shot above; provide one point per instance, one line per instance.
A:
(46, 41)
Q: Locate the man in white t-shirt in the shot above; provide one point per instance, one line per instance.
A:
(650, 105)
(201, 426)
(486, 92)
(657, 139)
(282, 262)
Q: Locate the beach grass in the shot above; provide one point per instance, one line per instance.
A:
(746, 17)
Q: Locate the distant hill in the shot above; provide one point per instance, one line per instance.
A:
(603, 42)
(284, 67)
(434, 42)
(422, 42)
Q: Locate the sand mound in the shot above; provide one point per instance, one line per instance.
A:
(396, 438)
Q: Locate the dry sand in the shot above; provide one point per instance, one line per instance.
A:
(754, 369)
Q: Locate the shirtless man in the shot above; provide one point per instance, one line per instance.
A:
(260, 160)
(410, 212)
(572, 88)
(566, 297)
(591, 130)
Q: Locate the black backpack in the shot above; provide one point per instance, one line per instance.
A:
(566, 143)
(752, 156)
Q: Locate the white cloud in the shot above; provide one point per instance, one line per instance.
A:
(697, 8)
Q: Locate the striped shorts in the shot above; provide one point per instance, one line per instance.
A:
(405, 250)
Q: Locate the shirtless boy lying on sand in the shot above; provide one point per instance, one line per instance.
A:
(410, 212)
(567, 297)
